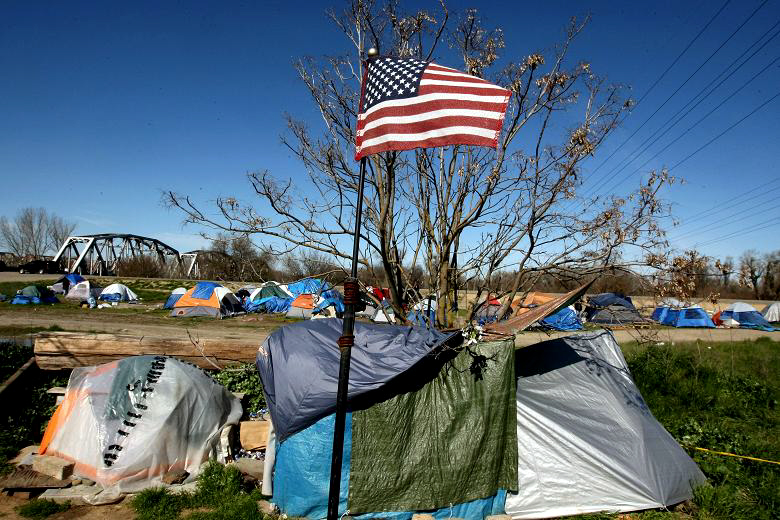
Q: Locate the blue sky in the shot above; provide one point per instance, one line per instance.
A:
(104, 106)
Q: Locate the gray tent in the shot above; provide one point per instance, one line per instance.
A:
(380, 354)
(587, 441)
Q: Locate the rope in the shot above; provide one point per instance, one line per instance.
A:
(732, 455)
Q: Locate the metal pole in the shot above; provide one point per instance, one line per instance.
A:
(347, 339)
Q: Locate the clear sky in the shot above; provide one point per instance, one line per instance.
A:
(104, 105)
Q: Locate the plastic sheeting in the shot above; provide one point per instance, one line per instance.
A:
(127, 423)
(587, 441)
(380, 354)
(302, 477)
(447, 434)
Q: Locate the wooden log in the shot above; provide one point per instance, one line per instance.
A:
(63, 350)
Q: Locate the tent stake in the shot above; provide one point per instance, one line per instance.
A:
(347, 339)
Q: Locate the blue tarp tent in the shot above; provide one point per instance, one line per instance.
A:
(747, 316)
(308, 286)
(564, 319)
(611, 308)
(685, 317)
(337, 303)
(35, 295)
(419, 318)
(203, 290)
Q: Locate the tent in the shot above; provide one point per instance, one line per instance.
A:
(612, 309)
(308, 286)
(127, 423)
(488, 312)
(565, 319)
(771, 312)
(62, 285)
(302, 306)
(587, 441)
(531, 422)
(83, 290)
(384, 314)
(746, 315)
(207, 299)
(268, 290)
(34, 294)
(174, 297)
(117, 292)
(693, 316)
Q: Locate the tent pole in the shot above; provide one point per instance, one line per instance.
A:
(347, 339)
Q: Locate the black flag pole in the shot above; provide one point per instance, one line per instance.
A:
(346, 341)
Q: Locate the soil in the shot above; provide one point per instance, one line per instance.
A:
(122, 510)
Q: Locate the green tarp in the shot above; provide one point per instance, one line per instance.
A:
(273, 290)
(442, 440)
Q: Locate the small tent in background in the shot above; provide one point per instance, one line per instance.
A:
(693, 316)
(665, 305)
(174, 297)
(34, 294)
(124, 436)
(384, 314)
(64, 284)
(117, 292)
(207, 299)
(83, 290)
(269, 289)
(565, 319)
(612, 309)
(746, 315)
(302, 306)
(771, 312)
(488, 312)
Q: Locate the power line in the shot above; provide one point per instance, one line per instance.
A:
(716, 223)
(705, 116)
(702, 94)
(763, 225)
(701, 31)
(739, 27)
(730, 203)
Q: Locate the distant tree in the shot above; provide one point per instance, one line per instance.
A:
(725, 268)
(772, 276)
(751, 269)
(34, 232)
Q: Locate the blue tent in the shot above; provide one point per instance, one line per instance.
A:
(203, 290)
(564, 319)
(174, 297)
(325, 302)
(34, 295)
(686, 317)
(747, 316)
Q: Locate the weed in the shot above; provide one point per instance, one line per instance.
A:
(41, 508)
(244, 378)
(159, 504)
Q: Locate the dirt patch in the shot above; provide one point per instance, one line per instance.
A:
(122, 510)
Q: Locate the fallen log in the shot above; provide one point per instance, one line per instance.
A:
(64, 350)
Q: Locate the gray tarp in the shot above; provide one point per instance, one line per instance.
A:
(299, 366)
(587, 441)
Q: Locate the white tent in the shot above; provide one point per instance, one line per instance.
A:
(117, 292)
(83, 290)
(127, 423)
(587, 442)
(772, 312)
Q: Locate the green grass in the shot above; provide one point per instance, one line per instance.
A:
(41, 508)
(220, 494)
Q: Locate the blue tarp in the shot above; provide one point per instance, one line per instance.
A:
(203, 290)
(113, 297)
(308, 286)
(419, 318)
(564, 319)
(274, 304)
(73, 278)
(171, 301)
(302, 478)
(21, 299)
(381, 353)
(337, 303)
(688, 317)
(606, 299)
(748, 320)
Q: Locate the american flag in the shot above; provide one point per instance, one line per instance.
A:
(407, 103)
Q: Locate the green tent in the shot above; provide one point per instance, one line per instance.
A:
(272, 290)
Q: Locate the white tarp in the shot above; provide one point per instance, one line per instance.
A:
(587, 441)
(127, 423)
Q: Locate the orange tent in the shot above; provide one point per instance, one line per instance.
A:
(302, 306)
(207, 299)
(534, 299)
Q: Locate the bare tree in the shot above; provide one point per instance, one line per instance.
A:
(751, 269)
(772, 276)
(461, 213)
(34, 232)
